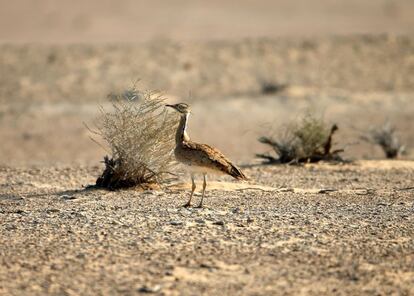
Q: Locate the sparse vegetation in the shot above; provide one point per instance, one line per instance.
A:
(268, 88)
(385, 136)
(308, 141)
(267, 82)
(140, 135)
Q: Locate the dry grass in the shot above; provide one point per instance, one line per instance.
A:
(140, 135)
(385, 136)
(310, 140)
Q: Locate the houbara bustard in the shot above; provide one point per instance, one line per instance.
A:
(200, 158)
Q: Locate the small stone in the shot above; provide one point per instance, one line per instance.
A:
(176, 223)
(327, 190)
(21, 212)
(236, 210)
(146, 289)
(218, 223)
(52, 211)
(68, 197)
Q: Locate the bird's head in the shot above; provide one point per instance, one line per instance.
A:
(182, 108)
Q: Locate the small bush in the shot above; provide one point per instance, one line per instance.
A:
(385, 136)
(268, 88)
(308, 141)
(140, 135)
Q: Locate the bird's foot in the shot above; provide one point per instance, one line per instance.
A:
(187, 205)
(200, 206)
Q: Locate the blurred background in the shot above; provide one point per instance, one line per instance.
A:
(247, 68)
(50, 21)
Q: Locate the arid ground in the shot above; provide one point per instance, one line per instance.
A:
(317, 229)
(47, 93)
(331, 229)
(314, 229)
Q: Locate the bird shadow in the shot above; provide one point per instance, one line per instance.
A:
(65, 194)
(71, 193)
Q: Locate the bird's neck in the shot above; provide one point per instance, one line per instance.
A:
(181, 134)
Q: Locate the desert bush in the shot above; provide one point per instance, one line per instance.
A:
(139, 133)
(268, 87)
(385, 136)
(309, 140)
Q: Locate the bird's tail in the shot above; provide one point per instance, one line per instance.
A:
(236, 173)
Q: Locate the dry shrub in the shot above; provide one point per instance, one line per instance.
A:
(268, 88)
(310, 140)
(140, 135)
(385, 136)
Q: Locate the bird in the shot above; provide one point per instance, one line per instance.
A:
(199, 158)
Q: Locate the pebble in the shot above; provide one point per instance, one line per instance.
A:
(68, 197)
(146, 289)
(236, 210)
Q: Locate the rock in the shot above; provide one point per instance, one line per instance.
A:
(68, 197)
(146, 289)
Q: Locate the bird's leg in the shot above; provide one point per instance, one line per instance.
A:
(193, 187)
(200, 205)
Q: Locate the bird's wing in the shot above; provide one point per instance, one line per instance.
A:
(207, 156)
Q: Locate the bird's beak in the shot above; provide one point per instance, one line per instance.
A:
(167, 105)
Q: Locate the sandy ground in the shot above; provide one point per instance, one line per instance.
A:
(291, 230)
(136, 21)
(311, 230)
(356, 82)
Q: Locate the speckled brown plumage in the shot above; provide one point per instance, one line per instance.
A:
(205, 156)
(200, 157)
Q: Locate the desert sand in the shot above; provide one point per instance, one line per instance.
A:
(356, 82)
(314, 229)
(323, 228)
